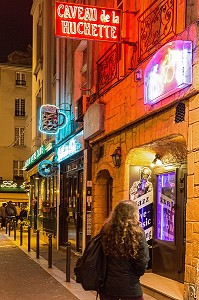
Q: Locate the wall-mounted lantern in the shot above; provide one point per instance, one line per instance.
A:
(116, 156)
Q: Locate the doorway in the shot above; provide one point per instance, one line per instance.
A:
(169, 223)
(71, 205)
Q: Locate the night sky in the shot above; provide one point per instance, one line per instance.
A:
(15, 26)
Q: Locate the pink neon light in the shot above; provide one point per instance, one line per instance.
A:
(169, 70)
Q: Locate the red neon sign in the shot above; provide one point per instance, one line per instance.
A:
(87, 22)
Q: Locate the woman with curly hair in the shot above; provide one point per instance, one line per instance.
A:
(125, 245)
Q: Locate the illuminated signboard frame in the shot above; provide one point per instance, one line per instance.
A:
(168, 71)
(78, 21)
(70, 148)
(50, 118)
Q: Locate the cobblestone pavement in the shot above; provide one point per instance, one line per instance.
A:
(25, 277)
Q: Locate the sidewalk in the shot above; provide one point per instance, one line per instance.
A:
(23, 276)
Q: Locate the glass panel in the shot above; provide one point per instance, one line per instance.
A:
(166, 199)
(72, 213)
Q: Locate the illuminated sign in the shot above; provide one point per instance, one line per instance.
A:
(87, 22)
(10, 185)
(45, 168)
(70, 148)
(168, 71)
(50, 122)
(37, 154)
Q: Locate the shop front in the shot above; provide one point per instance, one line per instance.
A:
(151, 140)
(14, 191)
(160, 192)
(70, 155)
(42, 179)
(158, 188)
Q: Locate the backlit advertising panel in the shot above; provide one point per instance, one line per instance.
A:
(78, 21)
(166, 200)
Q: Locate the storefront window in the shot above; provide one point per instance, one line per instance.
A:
(165, 213)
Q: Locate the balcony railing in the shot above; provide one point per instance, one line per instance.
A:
(157, 25)
(108, 68)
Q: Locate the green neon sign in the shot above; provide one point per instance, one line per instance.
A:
(37, 154)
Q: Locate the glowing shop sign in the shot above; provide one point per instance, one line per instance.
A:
(168, 71)
(12, 186)
(71, 147)
(37, 154)
(9, 184)
(50, 122)
(45, 168)
(87, 22)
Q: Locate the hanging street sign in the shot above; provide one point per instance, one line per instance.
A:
(78, 21)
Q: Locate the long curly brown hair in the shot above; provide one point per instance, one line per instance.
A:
(121, 231)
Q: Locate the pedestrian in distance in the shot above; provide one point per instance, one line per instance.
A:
(23, 213)
(3, 215)
(11, 210)
(124, 244)
(11, 214)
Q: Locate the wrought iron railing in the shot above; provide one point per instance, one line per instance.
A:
(108, 68)
(157, 24)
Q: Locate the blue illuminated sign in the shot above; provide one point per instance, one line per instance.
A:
(45, 168)
(71, 147)
(51, 119)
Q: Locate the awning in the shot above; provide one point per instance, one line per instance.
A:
(14, 197)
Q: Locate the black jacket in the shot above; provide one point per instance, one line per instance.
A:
(123, 274)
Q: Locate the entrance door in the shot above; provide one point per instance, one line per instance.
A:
(169, 226)
(75, 210)
(71, 208)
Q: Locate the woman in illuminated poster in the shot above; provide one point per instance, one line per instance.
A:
(143, 186)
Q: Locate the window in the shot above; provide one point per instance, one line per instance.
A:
(120, 4)
(20, 107)
(17, 169)
(39, 32)
(19, 136)
(20, 78)
(166, 201)
(84, 71)
(81, 83)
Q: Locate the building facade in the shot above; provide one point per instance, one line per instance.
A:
(15, 144)
(130, 112)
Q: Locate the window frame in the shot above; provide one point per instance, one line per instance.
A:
(20, 78)
(19, 137)
(18, 168)
(20, 107)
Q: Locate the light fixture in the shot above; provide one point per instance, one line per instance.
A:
(156, 162)
(116, 156)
